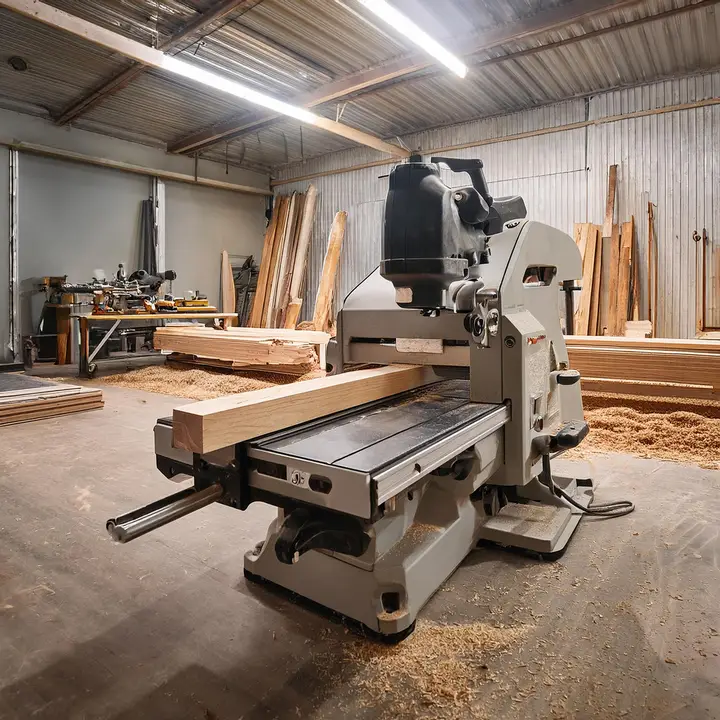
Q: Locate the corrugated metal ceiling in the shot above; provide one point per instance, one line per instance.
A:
(290, 47)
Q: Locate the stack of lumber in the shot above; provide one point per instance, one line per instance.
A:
(610, 293)
(43, 400)
(647, 366)
(280, 283)
(608, 298)
(292, 352)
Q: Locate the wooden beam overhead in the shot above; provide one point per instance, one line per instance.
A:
(152, 57)
(397, 68)
(125, 77)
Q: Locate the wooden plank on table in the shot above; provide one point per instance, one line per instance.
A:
(682, 367)
(613, 276)
(623, 295)
(232, 365)
(212, 424)
(582, 316)
(610, 202)
(230, 347)
(227, 285)
(673, 344)
(259, 299)
(597, 280)
(322, 317)
(301, 336)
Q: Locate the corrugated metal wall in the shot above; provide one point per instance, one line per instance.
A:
(671, 159)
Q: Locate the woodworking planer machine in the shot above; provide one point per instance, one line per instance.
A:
(379, 504)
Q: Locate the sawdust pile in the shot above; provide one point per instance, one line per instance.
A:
(198, 384)
(435, 673)
(686, 431)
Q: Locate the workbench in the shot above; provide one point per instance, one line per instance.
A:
(86, 362)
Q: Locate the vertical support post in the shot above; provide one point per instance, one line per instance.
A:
(14, 344)
(158, 195)
(83, 363)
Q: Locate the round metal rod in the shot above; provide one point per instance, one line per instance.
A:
(138, 522)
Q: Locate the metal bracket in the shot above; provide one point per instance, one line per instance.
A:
(484, 322)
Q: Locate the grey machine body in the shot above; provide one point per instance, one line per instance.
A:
(378, 505)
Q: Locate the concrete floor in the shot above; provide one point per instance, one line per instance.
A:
(626, 624)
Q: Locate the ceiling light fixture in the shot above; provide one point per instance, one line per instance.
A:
(192, 72)
(405, 26)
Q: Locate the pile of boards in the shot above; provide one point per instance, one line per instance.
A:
(28, 399)
(277, 302)
(647, 366)
(280, 283)
(610, 292)
(610, 297)
(291, 352)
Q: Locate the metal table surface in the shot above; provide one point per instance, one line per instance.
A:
(379, 434)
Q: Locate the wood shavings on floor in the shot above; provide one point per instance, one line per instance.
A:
(685, 431)
(436, 673)
(197, 383)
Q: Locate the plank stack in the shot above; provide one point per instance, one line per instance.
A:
(647, 366)
(280, 283)
(44, 400)
(292, 352)
(610, 294)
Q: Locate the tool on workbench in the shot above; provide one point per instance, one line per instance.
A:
(379, 504)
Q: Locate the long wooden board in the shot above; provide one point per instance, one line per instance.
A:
(303, 336)
(613, 279)
(262, 281)
(597, 280)
(212, 424)
(41, 413)
(232, 365)
(227, 346)
(623, 294)
(582, 316)
(322, 318)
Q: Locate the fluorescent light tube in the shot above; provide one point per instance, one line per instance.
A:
(410, 30)
(205, 77)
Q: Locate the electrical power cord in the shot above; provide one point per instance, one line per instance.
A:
(618, 508)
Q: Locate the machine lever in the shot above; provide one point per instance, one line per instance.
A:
(127, 527)
(305, 529)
